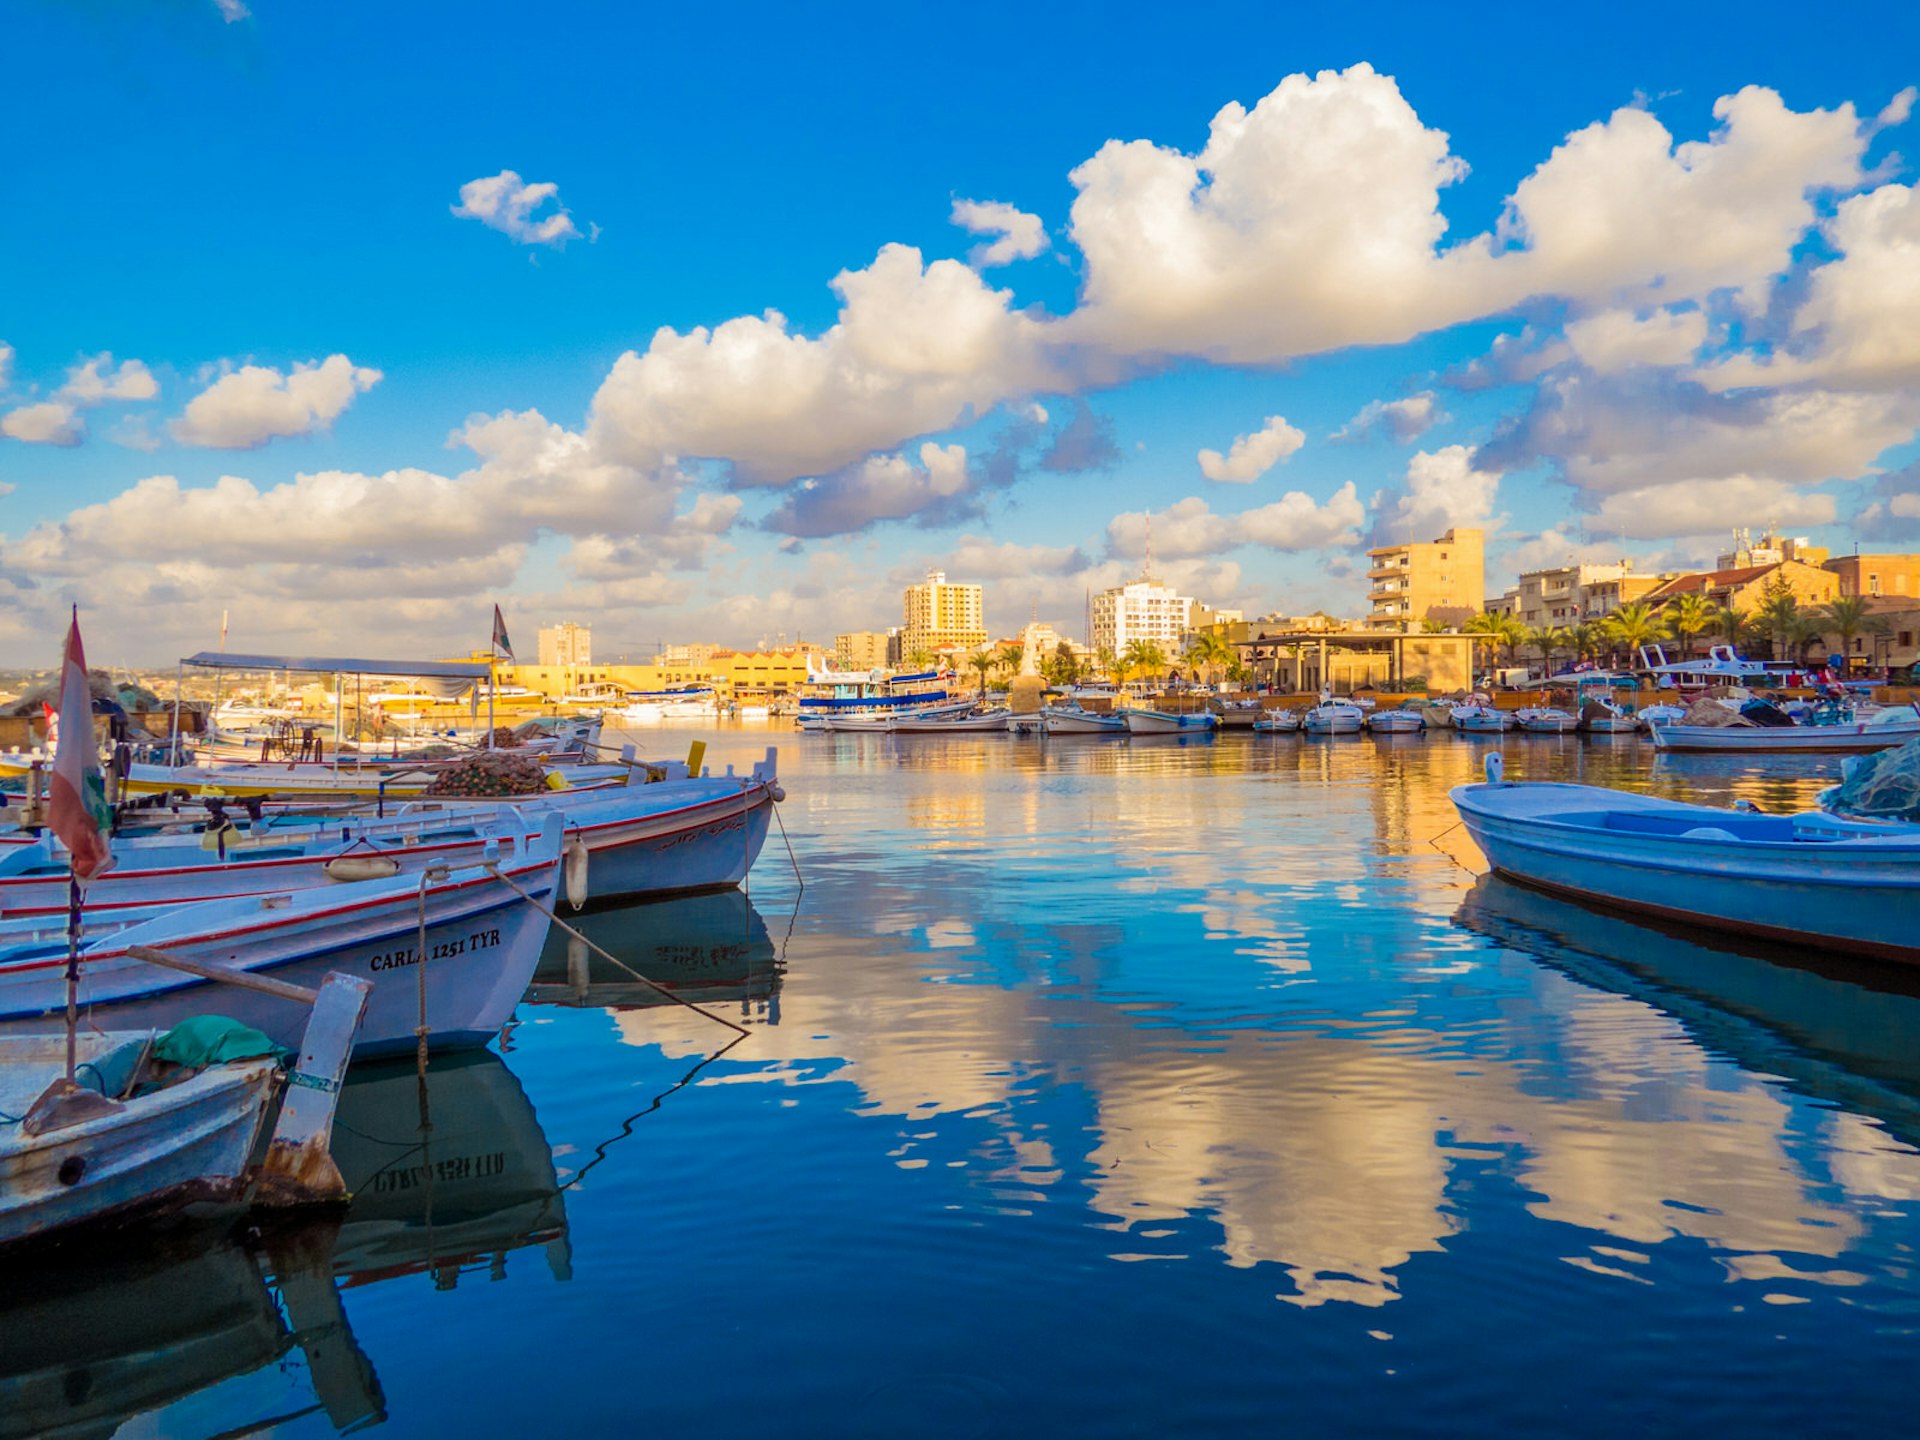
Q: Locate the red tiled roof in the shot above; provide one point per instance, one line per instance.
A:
(1705, 580)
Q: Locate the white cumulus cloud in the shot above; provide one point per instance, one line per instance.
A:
(50, 422)
(1021, 236)
(1708, 507)
(506, 203)
(1189, 528)
(1405, 420)
(1616, 340)
(1251, 456)
(1444, 491)
(96, 381)
(250, 406)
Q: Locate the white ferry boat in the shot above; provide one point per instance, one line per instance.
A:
(841, 695)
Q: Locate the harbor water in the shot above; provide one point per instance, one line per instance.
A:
(1092, 1087)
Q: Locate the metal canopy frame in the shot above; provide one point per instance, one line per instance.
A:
(338, 667)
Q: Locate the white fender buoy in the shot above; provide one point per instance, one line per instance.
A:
(777, 791)
(349, 868)
(1496, 766)
(575, 873)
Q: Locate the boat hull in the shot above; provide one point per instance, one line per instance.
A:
(189, 1142)
(1852, 739)
(1161, 722)
(1084, 722)
(1857, 889)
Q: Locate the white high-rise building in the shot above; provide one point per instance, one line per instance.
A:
(1142, 610)
(566, 644)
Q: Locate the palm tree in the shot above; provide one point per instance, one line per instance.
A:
(1104, 661)
(920, 659)
(1847, 617)
(1146, 656)
(1487, 630)
(1633, 626)
(1731, 622)
(1585, 638)
(1210, 653)
(984, 661)
(1431, 626)
(1687, 616)
(1556, 638)
(1009, 658)
(1063, 666)
(1780, 618)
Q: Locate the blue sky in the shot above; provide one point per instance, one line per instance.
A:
(1604, 283)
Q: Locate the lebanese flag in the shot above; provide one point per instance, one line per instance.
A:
(501, 644)
(77, 808)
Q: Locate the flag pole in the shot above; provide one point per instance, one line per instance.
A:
(73, 966)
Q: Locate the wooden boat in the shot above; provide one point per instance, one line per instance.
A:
(1396, 722)
(1278, 722)
(635, 841)
(1546, 720)
(1332, 717)
(1166, 722)
(970, 722)
(1863, 735)
(129, 1130)
(1072, 719)
(1812, 879)
(478, 930)
(1481, 720)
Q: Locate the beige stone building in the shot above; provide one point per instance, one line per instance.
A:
(940, 616)
(1746, 589)
(1890, 576)
(566, 644)
(1438, 580)
(1571, 594)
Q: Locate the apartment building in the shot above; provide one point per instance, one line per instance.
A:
(1440, 580)
(940, 616)
(866, 649)
(1571, 594)
(566, 644)
(1890, 576)
(1142, 610)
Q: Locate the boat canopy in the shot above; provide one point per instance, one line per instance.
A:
(317, 665)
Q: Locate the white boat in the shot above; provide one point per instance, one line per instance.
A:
(967, 722)
(1332, 717)
(649, 707)
(637, 841)
(483, 928)
(831, 696)
(1237, 714)
(1723, 666)
(1481, 720)
(1396, 722)
(1814, 880)
(128, 1128)
(1881, 730)
(1648, 716)
(1546, 720)
(1072, 719)
(1278, 722)
(1166, 722)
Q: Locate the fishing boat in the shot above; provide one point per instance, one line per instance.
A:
(1332, 717)
(1072, 719)
(1236, 714)
(653, 707)
(1546, 720)
(1481, 720)
(1278, 722)
(1402, 721)
(1814, 879)
(449, 953)
(112, 1123)
(1648, 716)
(968, 722)
(1167, 722)
(634, 841)
(1842, 730)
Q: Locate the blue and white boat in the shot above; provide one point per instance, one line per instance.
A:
(1278, 722)
(1167, 722)
(1830, 730)
(1074, 719)
(1813, 879)
(1332, 717)
(1402, 721)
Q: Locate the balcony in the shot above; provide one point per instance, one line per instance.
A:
(1387, 567)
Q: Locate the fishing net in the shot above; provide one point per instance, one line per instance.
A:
(1714, 713)
(488, 774)
(1879, 787)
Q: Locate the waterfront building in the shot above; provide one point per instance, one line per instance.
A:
(1438, 580)
(1354, 658)
(866, 649)
(566, 644)
(1877, 575)
(1571, 594)
(1142, 610)
(1749, 588)
(941, 616)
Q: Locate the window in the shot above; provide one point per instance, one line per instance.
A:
(1906, 638)
(1873, 584)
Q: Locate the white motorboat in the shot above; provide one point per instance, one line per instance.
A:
(476, 929)
(1648, 716)
(1278, 722)
(1401, 721)
(652, 707)
(1167, 722)
(1332, 717)
(1723, 666)
(1814, 880)
(1073, 719)
(967, 722)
